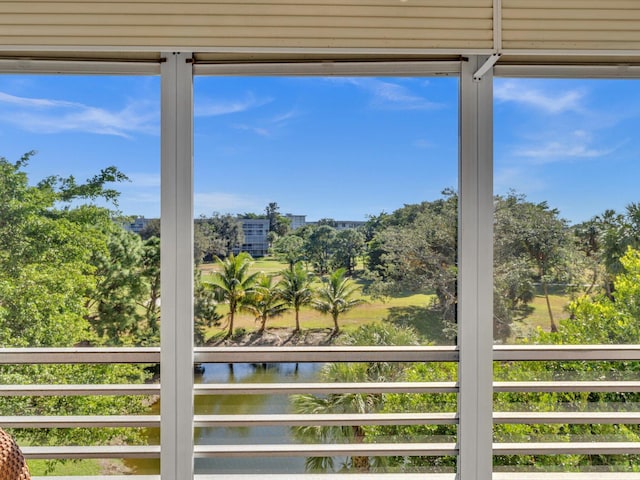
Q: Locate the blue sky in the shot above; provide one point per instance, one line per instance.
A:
(331, 147)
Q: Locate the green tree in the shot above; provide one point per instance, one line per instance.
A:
(277, 223)
(319, 248)
(216, 236)
(296, 289)
(416, 250)
(289, 248)
(205, 313)
(266, 301)
(348, 245)
(336, 296)
(537, 233)
(149, 332)
(233, 283)
(50, 237)
(113, 307)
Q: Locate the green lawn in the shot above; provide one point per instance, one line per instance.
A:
(75, 467)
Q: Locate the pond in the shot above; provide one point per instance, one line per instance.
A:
(239, 405)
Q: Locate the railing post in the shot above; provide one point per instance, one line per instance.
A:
(176, 335)
(475, 278)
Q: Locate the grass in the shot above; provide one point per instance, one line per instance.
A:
(409, 309)
(74, 467)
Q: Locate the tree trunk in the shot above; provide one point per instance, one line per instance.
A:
(545, 289)
(230, 332)
(360, 464)
(336, 329)
(297, 321)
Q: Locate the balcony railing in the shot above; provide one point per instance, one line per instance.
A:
(323, 355)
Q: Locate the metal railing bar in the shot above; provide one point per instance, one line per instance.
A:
(328, 476)
(317, 354)
(572, 448)
(80, 355)
(79, 421)
(564, 386)
(566, 476)
(74, 452)
(78, 390)
(325, 419)
(565, 352)
(110, 477)
(597, 418)
(295, 388)
(314, 354)
(321, 450)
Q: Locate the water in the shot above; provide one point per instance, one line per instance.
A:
(239, 405)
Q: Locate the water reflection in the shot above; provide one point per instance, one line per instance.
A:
(240, 405)
(249, 404)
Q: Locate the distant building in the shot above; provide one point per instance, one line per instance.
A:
(137, 225)
(349, 224)
(297, 221)
(255, 237)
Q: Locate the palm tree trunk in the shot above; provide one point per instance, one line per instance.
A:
(361, 464)
(336, 329)
(231, 315)
(297, 320)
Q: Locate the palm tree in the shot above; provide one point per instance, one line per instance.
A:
(337, 296)
(233, 283)
(265, 301)
(295, 289)
(361, 403)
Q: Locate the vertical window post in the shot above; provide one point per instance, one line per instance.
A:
(176, 334)
(475, 276)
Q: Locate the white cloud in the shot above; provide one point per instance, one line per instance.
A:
(550, 102)
(269, 126)
(570, 146)
(389, 95)
(211, 108)
(42, 115)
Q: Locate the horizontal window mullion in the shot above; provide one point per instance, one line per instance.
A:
(322, 450)
(324, 354)
(300, 420)
(80, 355)
(74, 452)
(321, 388)
(78, 390)
(515, 353)
(597, 418)
(567, 386)
(569, 448)
(80, 421)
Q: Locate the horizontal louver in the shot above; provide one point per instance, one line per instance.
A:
(573, 25)
(278, 24)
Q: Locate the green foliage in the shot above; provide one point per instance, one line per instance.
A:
(348, 245)
(265, 301)
(289, 249)
(296, 289)
(336, 296)
(233, 283)
(205, 314)
(319, 248)
(352, 402)
(216, 236)
(62, 267)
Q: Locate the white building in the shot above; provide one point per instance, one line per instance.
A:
(255, 236)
